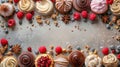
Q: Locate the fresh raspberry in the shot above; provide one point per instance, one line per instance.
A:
(113, 51)
(29, 16)
(84, 14)
(4, 42)
(105, 51)
(42, 49)
(53, 1)
(11, 23)
(16, 1)
(92, 16)
(20, 14)
(58, 50)
(109, 2)
(118, 56)
(76, 16)
(32, 12)
(29, 49)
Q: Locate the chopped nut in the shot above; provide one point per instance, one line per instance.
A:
(64, 51)
(38, 19)
(3, 49)
(51, 47)
(56, 23)
(114, 19)
(116, 27)
(118, 22)
(54, 16)
(47, 22)
(105, 19)
(117, 38)
(87, 47)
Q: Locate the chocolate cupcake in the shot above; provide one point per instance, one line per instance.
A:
(76, 59)
(26, 59)
(80, 5)
(63, 6)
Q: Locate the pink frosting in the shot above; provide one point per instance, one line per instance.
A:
(99, 6)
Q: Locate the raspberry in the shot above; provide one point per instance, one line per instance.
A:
(58, 50)
(92, 16)
(29, 49)
(20, 14)
(105, 51)
(53, 1)
(109, 2)
(4, 42)
(118, 56)
(42, 49)
(76, 16)
(84, 14)
(16, 1)
(11, 23)
(29, 16)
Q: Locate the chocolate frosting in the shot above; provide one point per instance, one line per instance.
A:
(80, 5)
(76, 58)
(26, 59)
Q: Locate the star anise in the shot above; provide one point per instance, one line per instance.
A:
(105, 19)
(66, 19)
(16, 49)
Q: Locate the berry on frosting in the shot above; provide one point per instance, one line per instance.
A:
(58, 50)
(118, 56)
(105, 51)
(4, 42)
(29, 16)
(42, 49)
(76, 16)
(109, 1)
(29, 49)
(92, 16)
(84, 14)
(11, 22)
(20, 14)
(16, 1)
(113, 51)
(53, 1)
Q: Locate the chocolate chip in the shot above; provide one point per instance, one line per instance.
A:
(109, 12)
(16, 10)
(78, 48)
(6, 31)
(85, 20)
(108, 26)
(112, 47)
(2, 1)
(92, 49)
(117, 51)
(20, 22)
(118, 47)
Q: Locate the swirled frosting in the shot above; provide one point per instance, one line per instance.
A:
(6, 9)
(76, 58)
(44, 7)
(115, 7)
(63, 6)
(26, 5)
(9, 62)
(80, 5)
(110, 60)
(26, 59)
(99, 6)
(93, 61)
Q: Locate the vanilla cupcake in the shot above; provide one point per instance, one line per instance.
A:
(93, 60)
(6, 9)
(44, 7)
(110, 60)
(9, 61)
(26, 5)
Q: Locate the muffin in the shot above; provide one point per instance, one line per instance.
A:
(63, 6)
(76, 58)
(6, 9)
(81, 5)
(26, 59)
(9, 61)
(44, 60)
(26, 5)
(61, 61)
(110, 60)
(93, 60)
(99, 6)
(115, 7)
(44, 7)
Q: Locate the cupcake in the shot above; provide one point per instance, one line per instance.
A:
(44, 7)
(61, 61)
(26, 5)
(9, 61)
(63, 6)
(76, 59)
(110, 60)
(44, 60)
(115, 7)
(99, 6)
(81, 5)
(93, 60)
(26, 59)
(6, 9)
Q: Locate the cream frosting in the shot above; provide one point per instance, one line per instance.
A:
(99, 6)
(9, 11)
(9, 62)
(93, 61)
(115, 7)
(26, 5)
(44, 7)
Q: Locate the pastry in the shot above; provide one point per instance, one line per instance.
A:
(6, 9)
(26, 5)
(93, 60)
(63, 6)
(110, 60)
(44, 60)
(26, 59)
(99, 6)
(115, 7)
(80, 5)
(76, 59)
(9, 61)
(44, 7)
(61, 61)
